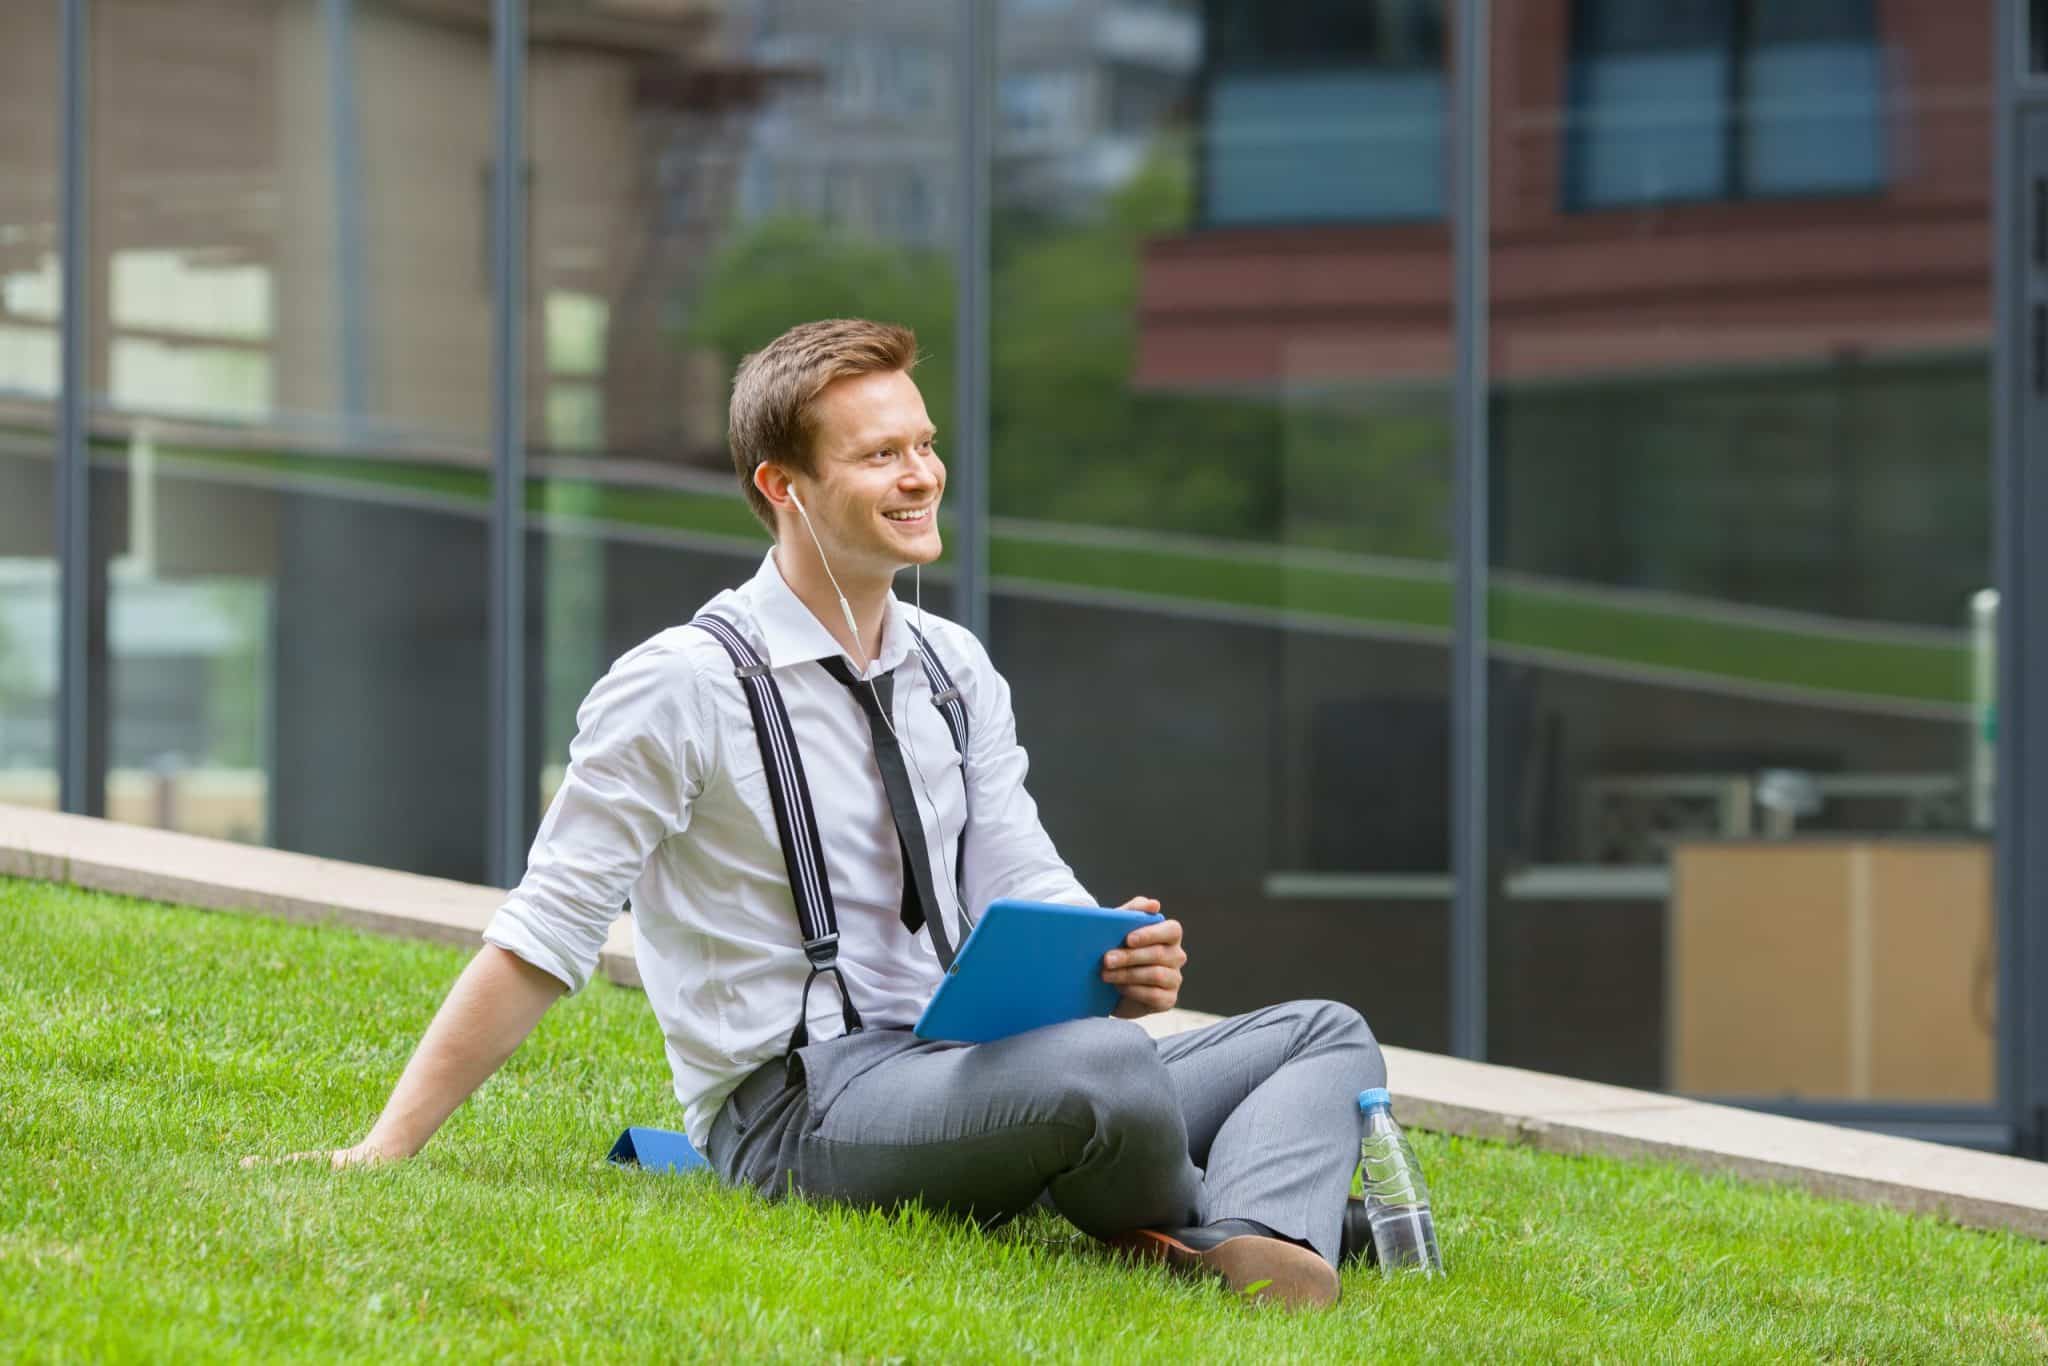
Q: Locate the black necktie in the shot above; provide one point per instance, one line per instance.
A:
(920, 899)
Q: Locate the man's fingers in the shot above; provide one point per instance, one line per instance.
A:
(1146, 971)
(334, 1157)
(1170, 955)
(1135, 965)
(1143, 977)
(265, 1160)
(1165, 932)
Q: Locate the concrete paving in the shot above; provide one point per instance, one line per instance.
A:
(1482, 1100)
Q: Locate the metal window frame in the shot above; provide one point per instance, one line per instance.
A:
(337, 19)
(1471, 323)
(506, 800)
(975, 59)
(81, 790)
(2020, 491)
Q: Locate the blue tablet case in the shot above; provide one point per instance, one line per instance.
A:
(1027, 964)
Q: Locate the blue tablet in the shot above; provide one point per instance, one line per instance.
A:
(1027, 964)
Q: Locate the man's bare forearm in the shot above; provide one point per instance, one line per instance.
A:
(490, 1010)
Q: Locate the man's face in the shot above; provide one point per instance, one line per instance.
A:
(874, 491)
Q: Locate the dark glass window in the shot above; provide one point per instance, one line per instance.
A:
(1387, 33)
(1323, 112)
(1676, 100)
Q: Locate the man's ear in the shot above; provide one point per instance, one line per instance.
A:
(772, 482)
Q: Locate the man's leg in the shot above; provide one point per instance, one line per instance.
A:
(1270, 1102)
(1084, 1110)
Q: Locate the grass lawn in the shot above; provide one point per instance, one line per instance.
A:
(145, 1049)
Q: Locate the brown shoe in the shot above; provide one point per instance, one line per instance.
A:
(1245, 1255)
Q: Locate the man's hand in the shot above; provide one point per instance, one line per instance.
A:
(361, 1155)
(1147, 968)
(493, 1005)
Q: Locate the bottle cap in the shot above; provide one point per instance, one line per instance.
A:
(1376, 1096)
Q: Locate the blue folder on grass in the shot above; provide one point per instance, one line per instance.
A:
(658, 1150)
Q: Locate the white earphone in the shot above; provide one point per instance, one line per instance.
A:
(844, 609)
(867, 664)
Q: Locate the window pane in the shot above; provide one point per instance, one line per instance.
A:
(695, 193)
(1739, 841)
(1322, 112)
(1813, 120)
(1221, 489)
(1651, 126)
(1617, 27)
(1813, 21)
(291, 377)
(30, 315)
(1344, 146)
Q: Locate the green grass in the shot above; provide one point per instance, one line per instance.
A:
(144, 1049)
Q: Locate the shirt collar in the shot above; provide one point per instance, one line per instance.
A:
(793, 635)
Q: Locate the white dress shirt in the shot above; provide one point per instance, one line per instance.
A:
(665, 801)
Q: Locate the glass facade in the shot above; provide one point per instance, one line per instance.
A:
(1737, 759)
(694, 195)
(290, 387)
(1221, 527)
(1741, 510)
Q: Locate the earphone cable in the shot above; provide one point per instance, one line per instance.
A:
(866, 670)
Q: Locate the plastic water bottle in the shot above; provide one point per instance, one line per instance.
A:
(1396, 1199)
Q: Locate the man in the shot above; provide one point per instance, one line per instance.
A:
(1228, 1149)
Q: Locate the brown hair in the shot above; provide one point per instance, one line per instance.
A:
(776, 388)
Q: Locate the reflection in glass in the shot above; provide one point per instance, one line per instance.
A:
(290, 376)
(780, 164)
(1323, 112)
(1722, 99)
(31, 301)
(1220, 467)
(1741, 517)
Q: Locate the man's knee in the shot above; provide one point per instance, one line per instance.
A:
(1334, 1026)
(1113, 1069)
(1336, 1022)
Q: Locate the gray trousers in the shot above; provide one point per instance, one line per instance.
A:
(1254, 1117)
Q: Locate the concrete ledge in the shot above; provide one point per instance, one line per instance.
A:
(1481, 1100)
(219, 875)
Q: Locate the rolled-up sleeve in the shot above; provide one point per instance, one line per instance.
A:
(1008, 853)
(635, 766)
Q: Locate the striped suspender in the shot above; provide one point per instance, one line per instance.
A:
(802, 851)
(945, 696)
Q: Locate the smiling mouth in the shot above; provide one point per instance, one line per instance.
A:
(911, 516)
